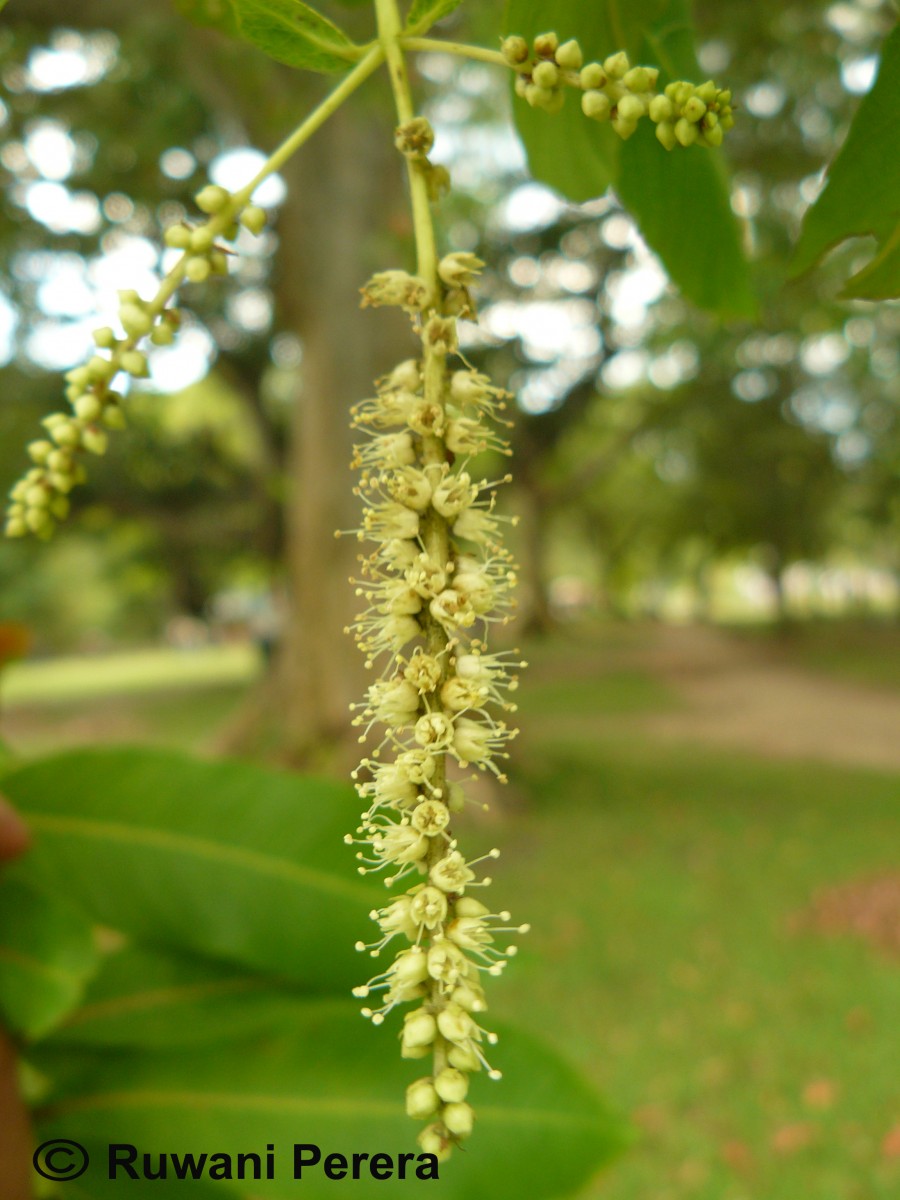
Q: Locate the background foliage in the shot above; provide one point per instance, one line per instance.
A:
(704, 392)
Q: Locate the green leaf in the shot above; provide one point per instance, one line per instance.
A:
(287, 30)
(862, 188)
(215, 14)
(148, 999)
(94, 1185)
(8, 759)
(47, 955)
(229, 860)
(680, 198)
(680, 202)
(880, 278)
(571, 154)
(293, 33)
(601, 27)
(337, 1083)
(423, 14)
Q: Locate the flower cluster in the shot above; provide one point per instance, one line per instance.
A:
(40, 499)
(617, 92)
(437, 577)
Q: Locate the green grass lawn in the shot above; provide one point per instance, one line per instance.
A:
(866, 652)
(863, 652)
(136, 672)
(757, 1058)
(663, 887)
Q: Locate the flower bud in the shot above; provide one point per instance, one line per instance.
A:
(421, 1099)
(433, 1140)
(395, 287)
(254, 218)
(212, 199)
(630, 108)
(686, 131)
(135, 320)
(105, 338)
(661, 109)
(39, 521)
(177, 237)
(39, 451)
(459, 1118)
(546, 75)
(640, 79)
(592, 76)
(464, 1057)
(665, 135)
(419, 1029)
(197, 270)
(617, 65)
(414, 138)
(515, 50)
(451, 1085)
(114, 417)
(546, 45)
(65, 433)
(595, 105)
(461, 268)
(202, 239)
(100, 369)
(455, 1024)
(94, 439)
(88, 407)
(695, 109)
(708, 92)
(135, 363)
(37, 497)
(569, 55)
(163, 335)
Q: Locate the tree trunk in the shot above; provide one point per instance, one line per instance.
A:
(535, 616)
(16, 1141)
(324, 229)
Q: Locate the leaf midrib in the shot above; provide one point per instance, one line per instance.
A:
(253, 861)
(341, 47)
(157, 998)
(27, 962)
(156, 1098)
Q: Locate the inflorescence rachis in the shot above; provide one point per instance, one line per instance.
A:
(437, 578)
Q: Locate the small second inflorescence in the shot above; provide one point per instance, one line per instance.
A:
(40, 499)
(685, 114)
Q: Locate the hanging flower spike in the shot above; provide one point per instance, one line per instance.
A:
(437, 579)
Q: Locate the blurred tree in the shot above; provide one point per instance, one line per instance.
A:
(782, 433)
(775, 438)
(161, 83)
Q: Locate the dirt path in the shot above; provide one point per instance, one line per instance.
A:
(744, 696)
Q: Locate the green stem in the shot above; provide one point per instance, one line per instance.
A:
(462, 49)
(389, 31)
(316, 118)
(436, 531)
(175, 277)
